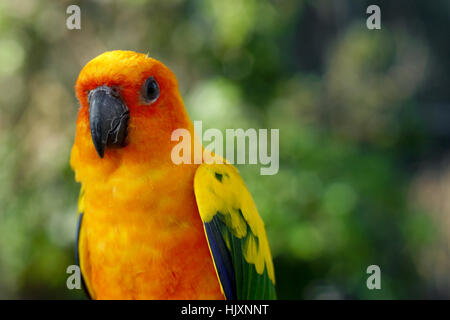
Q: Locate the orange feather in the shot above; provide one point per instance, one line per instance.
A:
(142, 234)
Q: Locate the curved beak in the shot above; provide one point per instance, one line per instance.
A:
(108, 118)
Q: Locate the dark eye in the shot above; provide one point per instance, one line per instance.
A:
(150, 90)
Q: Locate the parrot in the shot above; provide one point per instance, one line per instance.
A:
(149, 228)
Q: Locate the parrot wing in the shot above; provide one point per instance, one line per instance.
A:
(81, 249)
(235, 232)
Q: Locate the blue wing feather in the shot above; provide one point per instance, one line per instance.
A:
(77, 254)
(222, 259)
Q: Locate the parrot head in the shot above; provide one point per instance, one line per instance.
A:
(129, 107)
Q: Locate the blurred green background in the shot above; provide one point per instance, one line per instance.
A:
(364, 119)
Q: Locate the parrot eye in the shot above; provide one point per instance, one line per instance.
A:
(150, 90)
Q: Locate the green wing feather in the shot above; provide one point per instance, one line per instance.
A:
(230, 216)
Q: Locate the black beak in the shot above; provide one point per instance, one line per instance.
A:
(108, 118)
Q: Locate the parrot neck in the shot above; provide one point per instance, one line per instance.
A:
(143, 167)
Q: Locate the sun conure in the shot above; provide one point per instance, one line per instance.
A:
(149, 228)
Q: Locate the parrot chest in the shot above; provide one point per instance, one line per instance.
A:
(143, 242)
